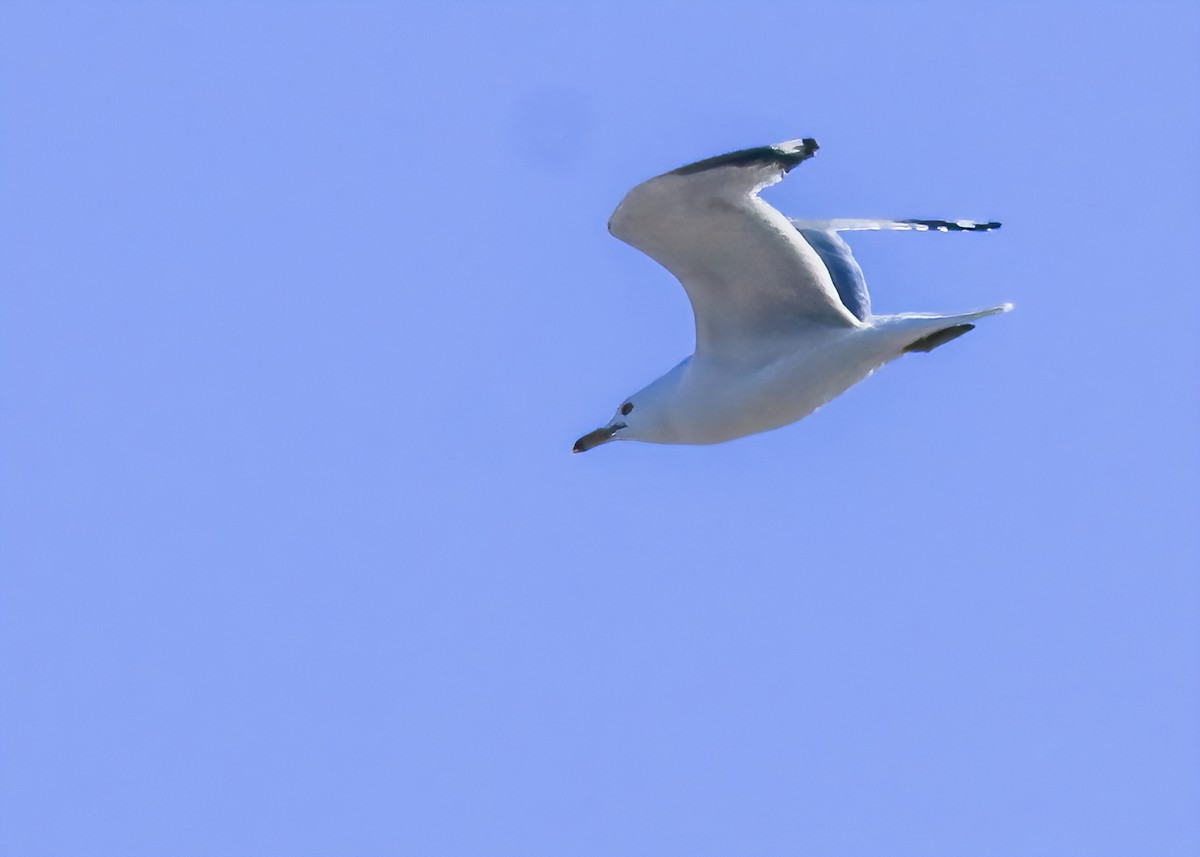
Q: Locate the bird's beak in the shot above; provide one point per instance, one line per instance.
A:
(597, 437)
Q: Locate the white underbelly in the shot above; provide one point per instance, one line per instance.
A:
(732, 403)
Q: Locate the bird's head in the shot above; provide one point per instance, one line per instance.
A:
(653, 414)
(617, 428)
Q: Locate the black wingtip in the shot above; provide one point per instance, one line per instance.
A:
(954, 225)
(783, 155)
(794, 152)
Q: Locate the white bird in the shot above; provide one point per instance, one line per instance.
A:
(783, 319)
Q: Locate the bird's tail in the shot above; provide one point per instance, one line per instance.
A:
(937, 330)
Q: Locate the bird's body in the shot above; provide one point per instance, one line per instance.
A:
(783, 321)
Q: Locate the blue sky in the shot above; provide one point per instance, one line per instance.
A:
(302, 306)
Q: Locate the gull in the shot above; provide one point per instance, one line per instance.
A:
(783, 318)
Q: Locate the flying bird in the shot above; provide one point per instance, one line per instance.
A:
(783, 318)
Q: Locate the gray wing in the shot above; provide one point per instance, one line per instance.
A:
(845, 272)
(747, 271)
(843, 269)
(859, 224)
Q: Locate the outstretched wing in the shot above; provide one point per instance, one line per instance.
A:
(859, 224)
(747, 271)
(845, 272)
(843, 269)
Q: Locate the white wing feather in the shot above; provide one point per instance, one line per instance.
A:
(746, 269)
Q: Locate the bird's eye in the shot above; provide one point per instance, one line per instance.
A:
(626, 408)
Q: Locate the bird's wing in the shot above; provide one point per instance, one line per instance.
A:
(747, 271)
(845, 272)
(843, 268)
(858, 224)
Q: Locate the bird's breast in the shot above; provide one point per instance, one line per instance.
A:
(725, 401)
